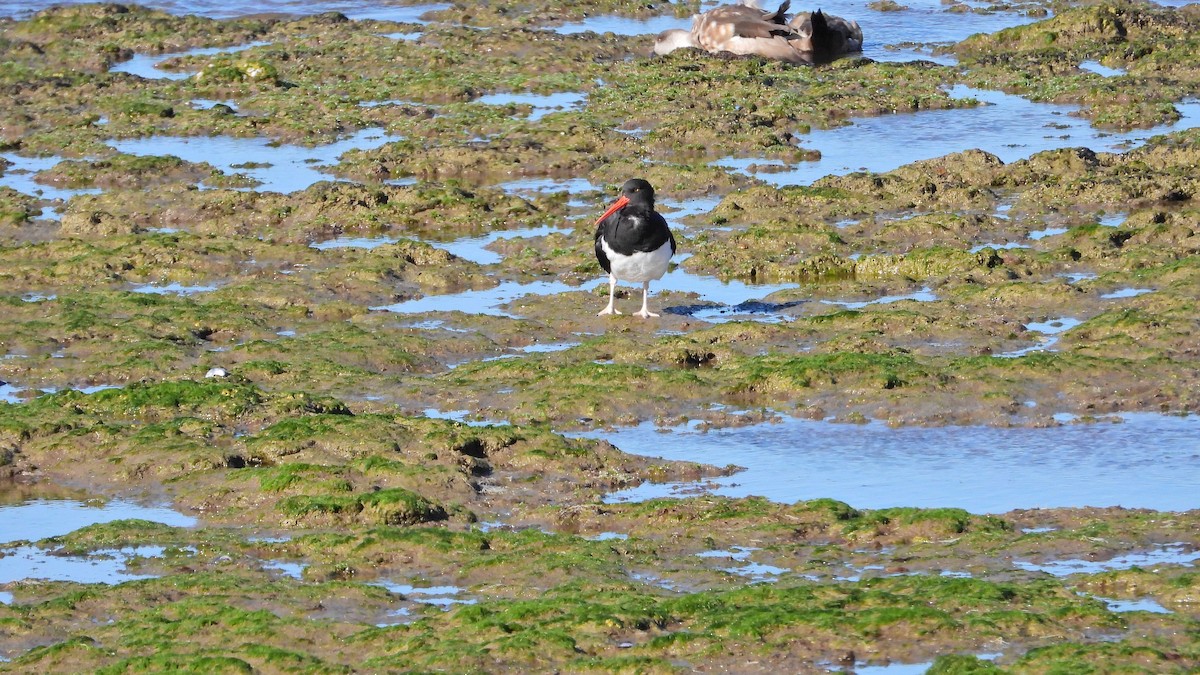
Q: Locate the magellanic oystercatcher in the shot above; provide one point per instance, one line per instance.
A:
(746, 30)
(633, 242)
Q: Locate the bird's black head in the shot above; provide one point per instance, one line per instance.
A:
(638, 191)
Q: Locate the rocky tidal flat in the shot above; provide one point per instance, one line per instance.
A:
(300, 367)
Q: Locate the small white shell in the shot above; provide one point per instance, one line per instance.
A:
(217, 372)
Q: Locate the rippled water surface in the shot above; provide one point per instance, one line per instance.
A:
(475, 248)
(278, 167)
(1172, 554)
(542, 104)
(980, 469)
(145, 65)
(36, 519)
(22, 171)
(39, 518)
(1007, 126)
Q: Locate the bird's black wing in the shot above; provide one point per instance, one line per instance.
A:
(600, 255)
(657, 234)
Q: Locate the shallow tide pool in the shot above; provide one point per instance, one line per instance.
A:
(542, 104)
(146, 65)
(39, 518)
(278, 167)
(980, 469)
(21, 173)
(1005, 125)
(107, 566)
(36, 519)
(1171, 554)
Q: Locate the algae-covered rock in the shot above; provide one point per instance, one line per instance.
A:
(394, 506)
(1137, 38)
(125, 172)
(228, 445)
(16, 209)
(227, 71)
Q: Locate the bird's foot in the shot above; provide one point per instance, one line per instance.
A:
(645, 314)
(608, 310)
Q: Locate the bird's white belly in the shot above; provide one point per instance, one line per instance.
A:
(640, 266)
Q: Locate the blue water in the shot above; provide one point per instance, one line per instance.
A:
(1146, 461)
(173, 288)
(542, 104)
(501, 300)
(106, 566)
(285, 168)
(8, 392)
(37, 519)
(20, 174)
(475, 248)
(146, 66)
(871, 465)
(1171, 554)
(1007, 126)
(41, 518)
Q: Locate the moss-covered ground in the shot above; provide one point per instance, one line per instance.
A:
(319, 451)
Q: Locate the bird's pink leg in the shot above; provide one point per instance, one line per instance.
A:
(645, 312)
(612, 294)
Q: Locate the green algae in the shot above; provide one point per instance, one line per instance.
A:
(1173, 586)
(305, 436)
(962, 665)
(787, 528)
(1039, 60)
(764, 615)
(868, 381)
(1091, 658)
(394, 506)
(322, 211)
(225, 614)
(138, 27)
(224, 445)
(586, 612)
(16, 209)
(938, 522)
(123, 171)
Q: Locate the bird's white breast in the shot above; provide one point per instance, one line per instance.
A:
(641, 265)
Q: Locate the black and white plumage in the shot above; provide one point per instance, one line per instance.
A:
(633, 242)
